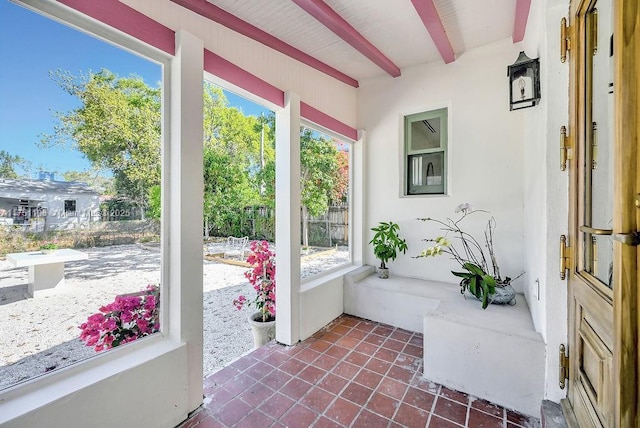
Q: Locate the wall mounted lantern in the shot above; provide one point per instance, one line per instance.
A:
(524, 82)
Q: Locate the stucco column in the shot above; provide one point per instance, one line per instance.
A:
(358, 200)
(288, 220)
(182, 185)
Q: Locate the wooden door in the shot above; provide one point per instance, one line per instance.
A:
(604, 201)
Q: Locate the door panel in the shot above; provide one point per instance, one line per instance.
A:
(604, 196)
(592, 338)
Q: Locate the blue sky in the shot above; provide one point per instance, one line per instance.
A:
(30, 47)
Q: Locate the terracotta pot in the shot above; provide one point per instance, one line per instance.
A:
(263, 332)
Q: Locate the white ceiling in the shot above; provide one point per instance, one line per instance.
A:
(392, 26)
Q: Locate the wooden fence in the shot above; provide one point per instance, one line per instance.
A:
(258, 222)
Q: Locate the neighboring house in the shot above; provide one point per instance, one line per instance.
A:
(46, 204)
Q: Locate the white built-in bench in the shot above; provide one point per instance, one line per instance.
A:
(494, 354)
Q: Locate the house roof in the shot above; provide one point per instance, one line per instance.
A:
(10, 185)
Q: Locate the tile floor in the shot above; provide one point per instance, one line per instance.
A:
(353, 373)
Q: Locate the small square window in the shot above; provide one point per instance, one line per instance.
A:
(426, 152)
(70, 208)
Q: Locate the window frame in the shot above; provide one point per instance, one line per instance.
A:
(441, 113)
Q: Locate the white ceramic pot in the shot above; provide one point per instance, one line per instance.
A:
(263, 332)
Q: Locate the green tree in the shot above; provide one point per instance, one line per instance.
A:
(318, 171)
(154, 202)
(9, 163)
(95, 180)
(117, 127)
(233, 160)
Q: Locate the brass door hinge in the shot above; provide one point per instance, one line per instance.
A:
(565, 257)
(594, 145)
(564, 367)
(566, 148)
(565, 39)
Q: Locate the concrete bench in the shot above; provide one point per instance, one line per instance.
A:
(46, 271)
(494, 354)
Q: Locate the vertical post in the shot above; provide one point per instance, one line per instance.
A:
(357, 217)
(183, 187)
(288, 220)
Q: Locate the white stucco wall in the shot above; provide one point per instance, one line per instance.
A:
(546, 188)
(485, 156)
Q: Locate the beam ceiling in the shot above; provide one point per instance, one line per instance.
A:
(337, 24)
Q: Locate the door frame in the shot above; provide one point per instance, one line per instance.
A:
(626, 296)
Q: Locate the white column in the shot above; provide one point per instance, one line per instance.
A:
(183, 188)
(358, 200)
(288, 220)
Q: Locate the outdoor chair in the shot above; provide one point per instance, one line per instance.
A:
(236, 247)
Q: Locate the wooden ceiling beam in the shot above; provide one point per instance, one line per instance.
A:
(431, 20)
(338, 25)
(222, 17)
(522, 16)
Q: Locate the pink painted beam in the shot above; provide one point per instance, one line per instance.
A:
(316, 116)
(431, 20)
(230, 72)
(522, 16)
(334, 22)
(128, 20)
(222, 17)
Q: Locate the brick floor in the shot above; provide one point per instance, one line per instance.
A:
(352, 373)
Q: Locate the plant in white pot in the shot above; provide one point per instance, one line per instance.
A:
(263, 279)
(481, 276)
(386, 244)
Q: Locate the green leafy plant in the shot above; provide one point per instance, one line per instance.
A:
(387, 242)
(477, 281)
(481, 273)
(49, 246)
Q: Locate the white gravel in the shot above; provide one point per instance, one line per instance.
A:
(41, 334)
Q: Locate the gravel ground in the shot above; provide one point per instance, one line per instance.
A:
(39, 335)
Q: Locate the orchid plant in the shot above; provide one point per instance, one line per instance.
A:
(481, 272)
(127, 318)
(263, 279)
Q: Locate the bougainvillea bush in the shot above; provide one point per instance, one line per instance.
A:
(263, 279)
(124, 320)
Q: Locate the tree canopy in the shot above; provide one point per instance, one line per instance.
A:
(117, 127)
(9, 163)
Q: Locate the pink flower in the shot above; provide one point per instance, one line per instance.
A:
(124, 320)
(263, 279)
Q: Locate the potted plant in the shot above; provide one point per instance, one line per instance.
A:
(263, 279)
(386, 244)
(48, 247)
(481, 276)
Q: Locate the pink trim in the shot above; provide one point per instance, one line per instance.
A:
(128, 20)
(214, 13)
(334, 22)
(429, 15)
(230, 72)
(522, 16)
(225, 70)
(316, 116)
